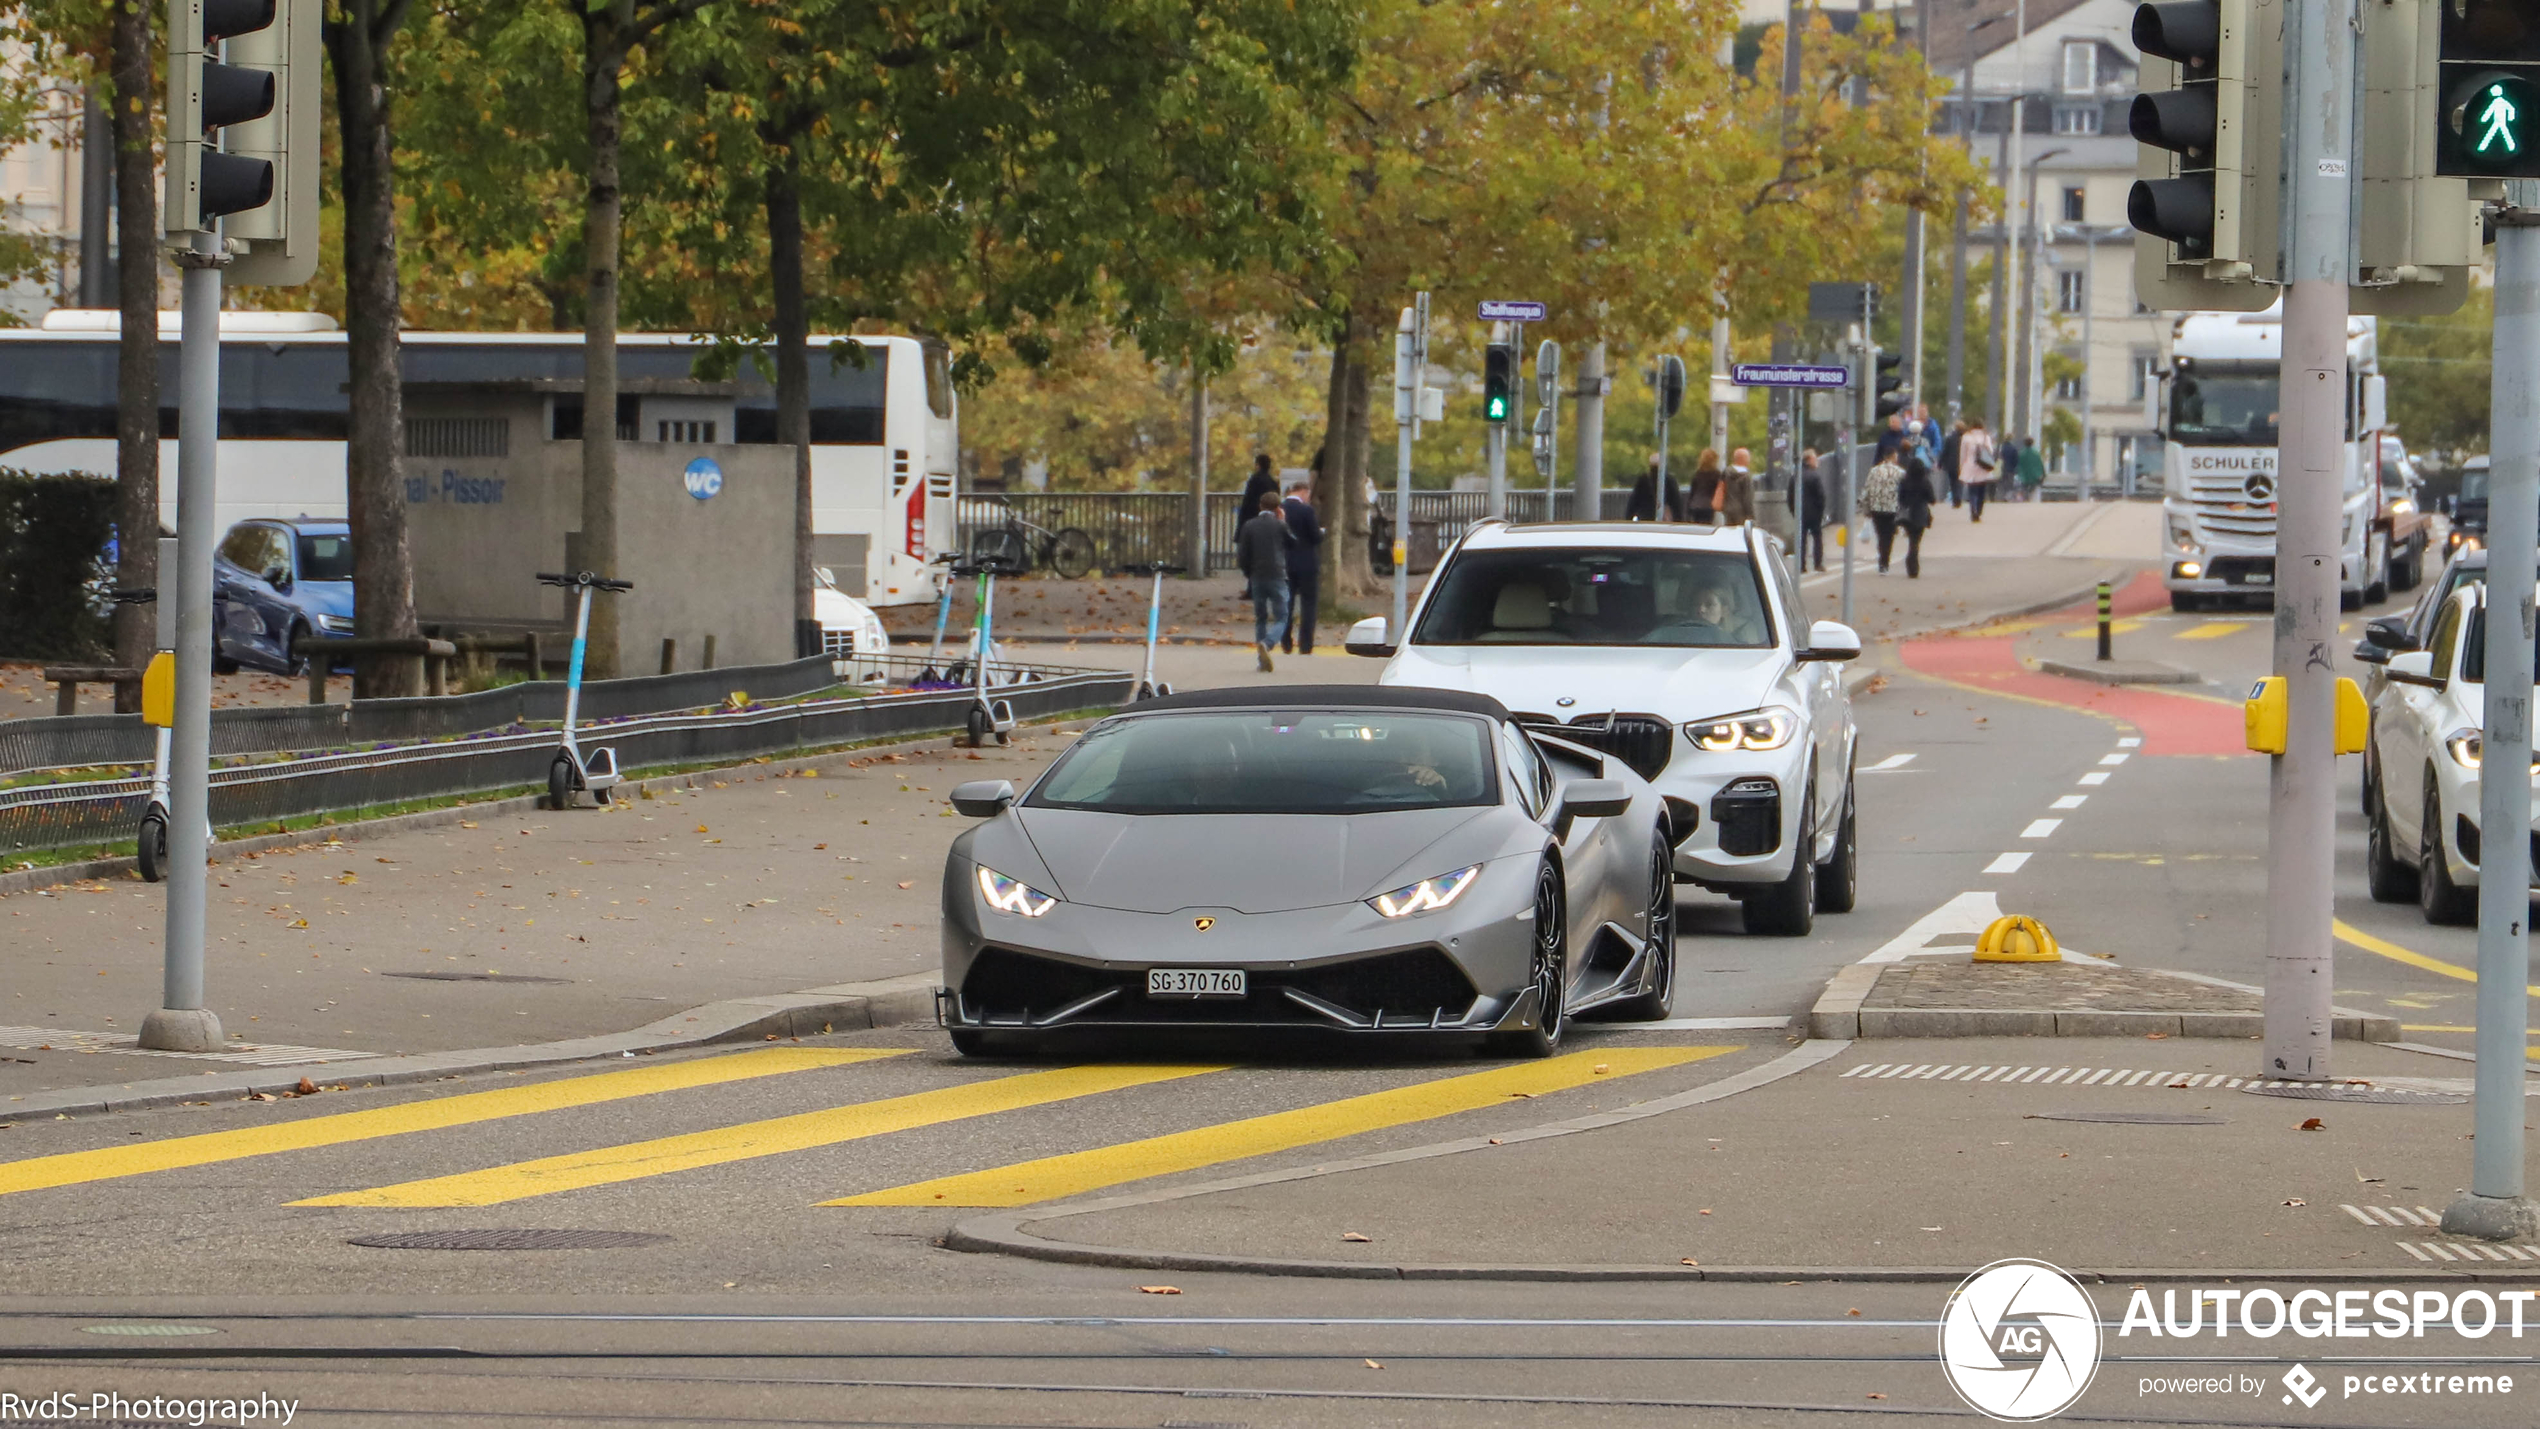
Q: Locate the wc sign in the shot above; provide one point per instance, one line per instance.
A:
(704, 478)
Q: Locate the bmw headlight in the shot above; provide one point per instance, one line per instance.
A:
(1427, 895)
(2463, 747)
(1013, 895)
(1756, 729)
(336, 624)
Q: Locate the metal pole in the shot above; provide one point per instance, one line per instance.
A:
(2015, 214)
(2302, 809)
(2107, 608)
(1411, 375)
(1658, 487)
(1588, 480)
(2495, 1207)
(2089, 350)
(1845, 444)
(1719, 375)
(1997, 371)
(1495, 434)
(182, 1023)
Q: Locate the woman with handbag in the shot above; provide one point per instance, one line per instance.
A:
(1976, 462)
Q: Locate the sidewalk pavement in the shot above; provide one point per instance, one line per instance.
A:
(24, 694)
(2130, 1158)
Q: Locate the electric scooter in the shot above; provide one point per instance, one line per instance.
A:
(1149, 687)
(150, 841)
(572, 771)
(932, 673)
(986, 717)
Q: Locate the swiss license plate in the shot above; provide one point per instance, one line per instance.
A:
(2259, 578)
(1195, 982)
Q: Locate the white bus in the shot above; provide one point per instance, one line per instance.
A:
(884, 435)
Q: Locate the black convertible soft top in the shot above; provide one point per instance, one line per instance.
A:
(1289, 697)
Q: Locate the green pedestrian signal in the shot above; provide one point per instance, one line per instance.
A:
(1499, 381)
(2499, 125)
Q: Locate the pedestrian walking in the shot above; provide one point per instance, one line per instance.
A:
(1976, 463)
(1644, 502)
(1261, 553)
(1891, 440)
(1878, 502)
(1811, 494)
(1702, 497)
(2032, 468)
(1949, 449)
(1914, 498)
(1263, 480)
(1737, 489)
(1305, 566)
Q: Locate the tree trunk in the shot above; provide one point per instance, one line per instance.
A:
(137, 352)
(375, 500)
(1358, 572)
(793, 371)
(603, 61)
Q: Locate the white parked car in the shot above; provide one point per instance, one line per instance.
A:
(2421, 834)
(849, 629)
(1683, 652)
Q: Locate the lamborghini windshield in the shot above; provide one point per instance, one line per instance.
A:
(1274, 762)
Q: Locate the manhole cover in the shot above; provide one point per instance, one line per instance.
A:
(2349, 1092)
(481, 977)
(508, 1240)
(127, 1329)
(2135, 1118)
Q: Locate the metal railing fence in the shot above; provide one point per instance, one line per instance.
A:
(105, 811)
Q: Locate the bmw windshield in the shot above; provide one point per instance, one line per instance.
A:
(1608, 596)
(1273, 762)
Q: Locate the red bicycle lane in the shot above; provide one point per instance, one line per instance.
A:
(2169, 723)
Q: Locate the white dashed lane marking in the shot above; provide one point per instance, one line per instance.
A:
(2070, 801)
(1893, 761)
(2040, 828)
(2056, 1076)
(2113, 759)
(2006, 863)
(2095, 776)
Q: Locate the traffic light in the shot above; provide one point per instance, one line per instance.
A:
(1669, 379)
(2487, 120)
(2416, 232)
(244, 97)
(2209, 126)
(1499, 382)
(1890, 400)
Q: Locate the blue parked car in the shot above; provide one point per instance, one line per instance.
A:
(278, 589)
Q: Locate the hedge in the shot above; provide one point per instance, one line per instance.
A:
(55, 535)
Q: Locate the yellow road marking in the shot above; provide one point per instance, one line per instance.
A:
(434, 1114)
(1053, 1177)
(2348, 933)
(612, 1164)
(2213, 630)
(2434, 1027)
(2116, 627)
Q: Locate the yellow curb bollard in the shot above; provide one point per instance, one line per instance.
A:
(2017, 938)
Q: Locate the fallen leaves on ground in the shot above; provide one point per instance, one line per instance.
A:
(1355, 1236)
(1159, 1289)
(306, 1088)
(2297, 1201)
(2312, 1123)
(908, 883)
(1372, 1364)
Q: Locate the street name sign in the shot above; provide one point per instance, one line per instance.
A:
(1510, 310)
(1783, 374)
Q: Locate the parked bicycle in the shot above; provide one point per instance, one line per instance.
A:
(1027, 545)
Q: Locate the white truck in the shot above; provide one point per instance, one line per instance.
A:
(2218, 417)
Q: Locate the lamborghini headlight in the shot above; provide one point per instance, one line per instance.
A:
(1012, 895)
(1756, 729)
(1427, 895)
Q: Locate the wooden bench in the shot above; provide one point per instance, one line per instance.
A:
(67, 679)
(436, 654)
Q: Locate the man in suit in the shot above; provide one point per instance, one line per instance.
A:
(1305, 566)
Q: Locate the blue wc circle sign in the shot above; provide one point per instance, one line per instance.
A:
(704, 478)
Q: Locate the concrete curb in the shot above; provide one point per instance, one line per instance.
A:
(2122, 672)
(28, 880)
(1839, 1013)
(888, 1002)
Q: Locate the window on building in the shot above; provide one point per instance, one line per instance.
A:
(2139, 375)
(2077, 119)
(2081, 66)
(2073, 207)
(684, 431)
(2068, 389)
(2071, 291)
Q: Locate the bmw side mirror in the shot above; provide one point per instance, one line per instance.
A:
(982, 798)
(2414, 667)
(278, 578)
(1831, 640)
(1367, 638)
(1595, 799)
(2390, 632)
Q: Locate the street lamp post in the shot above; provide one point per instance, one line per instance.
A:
(2032, 375)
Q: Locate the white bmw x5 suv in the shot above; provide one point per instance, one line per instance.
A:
(1682, 651)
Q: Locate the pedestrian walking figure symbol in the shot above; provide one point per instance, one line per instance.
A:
(2499, 117)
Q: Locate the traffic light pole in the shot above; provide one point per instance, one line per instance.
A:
(182, 1023)
(2495, 1207)
(2301, 809)
(1847, 446)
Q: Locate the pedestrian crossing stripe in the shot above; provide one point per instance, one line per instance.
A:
(429, 1114)
(2053, 1076)
(1055, 1177)
(801, 1132)
(2430, 1251)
